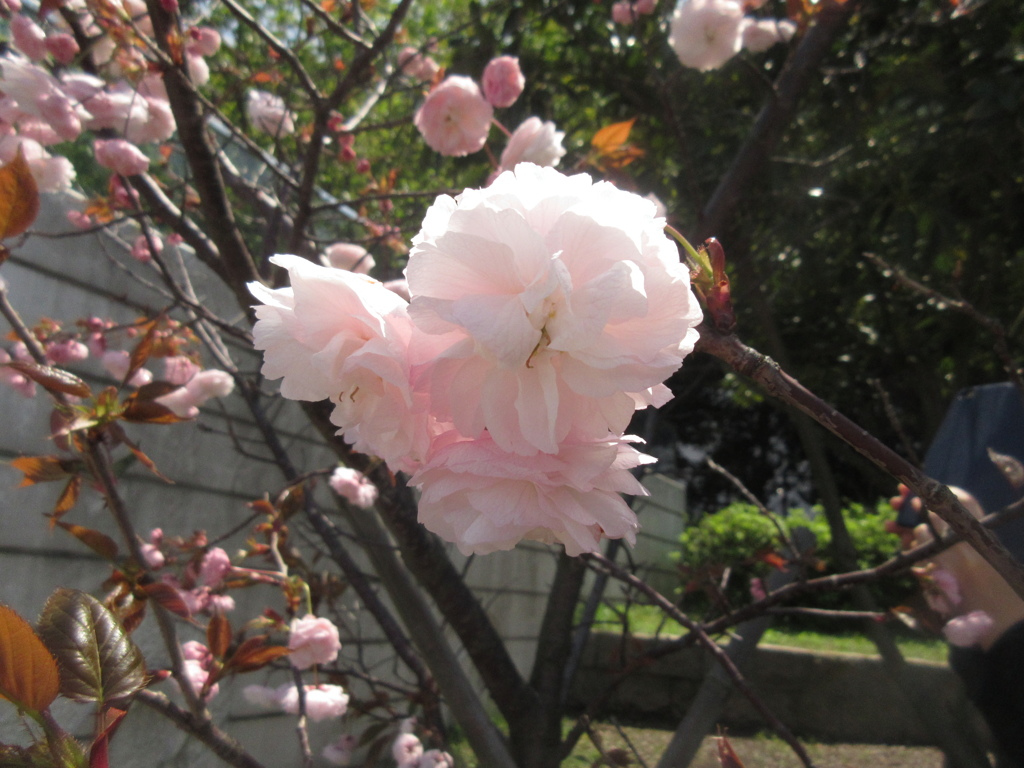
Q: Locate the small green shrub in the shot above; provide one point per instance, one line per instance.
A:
(725, 550)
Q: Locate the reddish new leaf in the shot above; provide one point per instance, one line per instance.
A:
(100, 543)
(167, 597)
(43, 469)
(68, 498)
(28, 672)
(142, 351)
(612, 137)
(727, 757)
(19, 197)
(53, 380)
(218, 635)
(255, 653)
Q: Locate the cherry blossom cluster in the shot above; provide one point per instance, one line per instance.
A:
(96, 337)
(628, 11)
(545, 309)
(312, 640)
(407, 750)
(38, 110)
(705, 34)
(456, 116)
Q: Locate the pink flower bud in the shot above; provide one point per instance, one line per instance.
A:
(455, 118)
(503, 81)
(363, 166)
(970, 629)
(120, 156)
(353, 485)
(205, 40)
(313, 640)
(214, 567)
(28, 37)
(62, 46)
(154, 558)
(417, 65)
(348, 256)
(210, 383)
(179, 369)
(13, 379)
(623, 12)
(141, 251)
(645, 7)
(79, 219)
(67, 351)
(406, 750)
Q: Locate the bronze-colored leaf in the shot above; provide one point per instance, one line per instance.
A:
(28, 671)
(98, 660)
(255, 653)
(100, 543)
(148, 412)
(53, 380)
(142, 351)
(67, 499)
(610, 138)
(218, 635)
(19, 197)
(727, 757)
(44, 469)
(167, 597)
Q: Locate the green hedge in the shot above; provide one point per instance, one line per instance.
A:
(742, 540)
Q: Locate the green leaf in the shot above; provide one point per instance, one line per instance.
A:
(98, 660)
(28, 673)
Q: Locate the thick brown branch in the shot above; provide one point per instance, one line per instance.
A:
(773, 119)
(936, 496)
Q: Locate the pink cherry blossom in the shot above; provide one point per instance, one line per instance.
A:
(269, 114)
(214, 567)
(339, 751)
(179, 369)
(399, 287)
(343, 336)
(203, 386)
(140, 248)
(117, 362)
(623, 12)
(204, 41)
(323, 702)
(66, 351)
(52, 174)
(32, 91)
(969, 629)
(645, 7)
(120, 156)
(435, 758)
(455, 118)
(196, 668)
(62, 46)
(28, 37)
(354, 486)
(503, 81)
(566, 303)
(348, 256)
(534, 141)
(417, 65)
(13, 379)
(313, 640)
(406, 750)
(705, 34)
(154, 558)
(484, 499)
(761, 34)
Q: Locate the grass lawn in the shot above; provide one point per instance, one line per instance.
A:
(757, 752)
(649, 620)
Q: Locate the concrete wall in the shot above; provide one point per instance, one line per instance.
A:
(840, 697)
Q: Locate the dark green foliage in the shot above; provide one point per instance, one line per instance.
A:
(742, 541)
